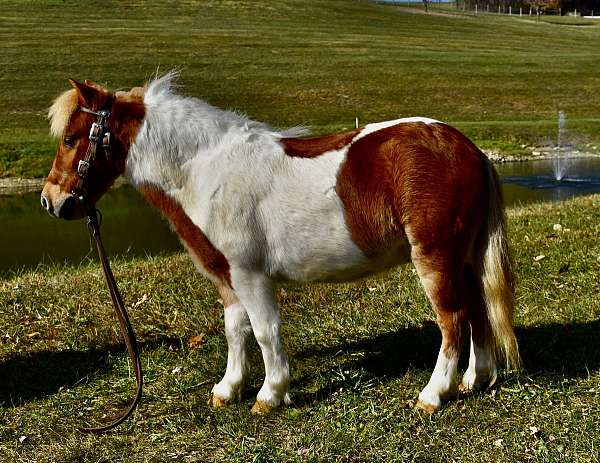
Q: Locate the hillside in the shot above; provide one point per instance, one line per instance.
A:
(321, 63)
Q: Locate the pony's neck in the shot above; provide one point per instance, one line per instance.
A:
(176, 130)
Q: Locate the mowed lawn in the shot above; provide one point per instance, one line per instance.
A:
(317, 62)
(360, 353)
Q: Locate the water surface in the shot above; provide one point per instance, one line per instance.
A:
(29, 235)
(532, 181)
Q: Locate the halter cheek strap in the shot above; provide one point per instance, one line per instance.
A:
(99, 135)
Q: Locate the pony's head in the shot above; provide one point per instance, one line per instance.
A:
(67, 192)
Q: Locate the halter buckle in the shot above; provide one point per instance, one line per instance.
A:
(82, 168)
(106, 141)
(96, 132)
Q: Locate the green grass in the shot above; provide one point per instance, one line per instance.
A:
(360, 354)
(319, 62)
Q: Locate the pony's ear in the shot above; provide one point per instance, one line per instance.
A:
(90, 93)
(93, 84)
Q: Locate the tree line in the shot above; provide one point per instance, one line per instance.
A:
(542, 5)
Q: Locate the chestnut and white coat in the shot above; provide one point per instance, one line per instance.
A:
(256, 206)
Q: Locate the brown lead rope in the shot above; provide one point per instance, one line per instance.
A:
(125, 325)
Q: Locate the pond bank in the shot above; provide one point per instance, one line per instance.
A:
(541, 154)
(17, 186)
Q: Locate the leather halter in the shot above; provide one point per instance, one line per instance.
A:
(100, 132)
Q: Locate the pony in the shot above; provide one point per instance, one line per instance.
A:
(255, 206)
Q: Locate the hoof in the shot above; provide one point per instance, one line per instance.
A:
(467, 387)
(261, 408)
(431, 409)
(464, 389)
(216, 401)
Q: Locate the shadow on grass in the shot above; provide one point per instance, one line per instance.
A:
(570, 351)
(28, 377)
(548, 351)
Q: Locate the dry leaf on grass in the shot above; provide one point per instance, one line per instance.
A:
(26, 319)
(195, 342)
(140, 301)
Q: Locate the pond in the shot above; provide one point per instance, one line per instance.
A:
(531, 181)
(29, 236)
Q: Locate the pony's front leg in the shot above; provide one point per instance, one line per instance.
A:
(255, 292)
(237, 329)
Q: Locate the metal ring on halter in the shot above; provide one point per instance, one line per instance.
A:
(103, 113)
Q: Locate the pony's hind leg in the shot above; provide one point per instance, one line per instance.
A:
(482, 370)
(442, 280)
(237, 330)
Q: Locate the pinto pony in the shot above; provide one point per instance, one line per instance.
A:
(255, 206)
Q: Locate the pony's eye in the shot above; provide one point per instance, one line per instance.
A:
(69, 141)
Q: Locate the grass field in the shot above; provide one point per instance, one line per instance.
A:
(360, 354)
(319, 62)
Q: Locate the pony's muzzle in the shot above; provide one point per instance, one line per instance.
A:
(60, 204)
(70, 208)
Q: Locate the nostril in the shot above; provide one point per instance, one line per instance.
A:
(45, 203)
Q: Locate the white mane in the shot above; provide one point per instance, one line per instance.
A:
(160, 93)
(177, 128)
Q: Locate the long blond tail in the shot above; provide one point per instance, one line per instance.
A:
(497, 275)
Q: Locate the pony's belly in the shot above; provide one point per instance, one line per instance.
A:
(312, 262)
(324, 262)
(308, 240)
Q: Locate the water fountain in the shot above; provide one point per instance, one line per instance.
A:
(547, 179)
(561, 162)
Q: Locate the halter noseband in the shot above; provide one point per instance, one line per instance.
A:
(99, 132)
